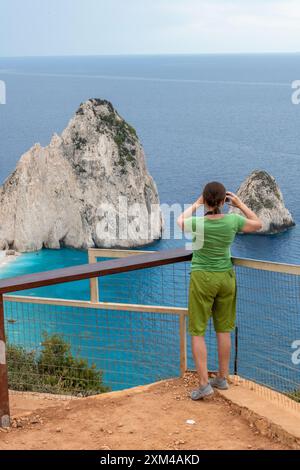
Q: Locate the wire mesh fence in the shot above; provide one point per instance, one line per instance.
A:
(268, 325)
(85, 349)
(162, 285)
(82, 349)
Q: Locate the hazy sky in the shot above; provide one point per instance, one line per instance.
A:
(80, 27)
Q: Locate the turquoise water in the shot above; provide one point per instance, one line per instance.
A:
(47, 260)
(199, 118)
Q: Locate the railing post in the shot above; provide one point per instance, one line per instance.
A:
(236, 350)
(183, 348)
(4, 398)
(94, 289)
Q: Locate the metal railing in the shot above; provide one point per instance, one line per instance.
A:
(140, 335)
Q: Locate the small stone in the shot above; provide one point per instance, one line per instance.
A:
(105, 447)
(190, 421)
(10, 252)
(262, 426)
(34, 421)
(178, 443)
(58, 430)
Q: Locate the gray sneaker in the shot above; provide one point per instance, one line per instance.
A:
(202, 392)
(219, 382)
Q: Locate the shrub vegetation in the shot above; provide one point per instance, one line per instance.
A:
(53, 370)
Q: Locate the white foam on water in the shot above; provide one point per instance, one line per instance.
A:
(148, 79)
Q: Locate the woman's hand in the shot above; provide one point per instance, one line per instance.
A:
(189, 212)
(234, 199)
(253, 223)
(200, 201)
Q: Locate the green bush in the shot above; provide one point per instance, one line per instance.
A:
(22, 369)
(54, 370)
(294, 395)
(79, 142)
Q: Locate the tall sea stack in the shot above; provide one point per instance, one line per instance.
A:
(262, 194)
(56, 194)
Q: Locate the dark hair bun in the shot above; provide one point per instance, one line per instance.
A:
(214, 194)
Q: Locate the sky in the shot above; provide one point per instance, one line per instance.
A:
(94, 27)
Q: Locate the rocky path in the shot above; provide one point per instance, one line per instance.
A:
(151, 419)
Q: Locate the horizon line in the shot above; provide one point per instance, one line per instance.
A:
(148, 54)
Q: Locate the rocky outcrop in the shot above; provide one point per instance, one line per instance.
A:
(79, 190)
(261, 193)
(4, 245)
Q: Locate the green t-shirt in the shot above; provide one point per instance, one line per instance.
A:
(212, 239)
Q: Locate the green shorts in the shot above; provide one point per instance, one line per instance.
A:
(212, 294)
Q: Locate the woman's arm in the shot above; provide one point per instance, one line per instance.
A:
(253, 223)
(189, 212)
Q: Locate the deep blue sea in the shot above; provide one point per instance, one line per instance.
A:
(199, 118)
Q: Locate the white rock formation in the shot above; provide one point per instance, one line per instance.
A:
(261, 193)
(58, 195)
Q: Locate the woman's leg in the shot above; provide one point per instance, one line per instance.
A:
(224, 349)
(200, 358)
(224, 316)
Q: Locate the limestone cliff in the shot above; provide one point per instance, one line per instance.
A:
(262, 194)
(68, 193)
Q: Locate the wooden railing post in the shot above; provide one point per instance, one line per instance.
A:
(109, 253)
(4, 398)
(94, 287)
(183, 348)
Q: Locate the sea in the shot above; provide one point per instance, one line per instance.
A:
(199, 118)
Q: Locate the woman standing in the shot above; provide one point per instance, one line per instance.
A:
(212, 290)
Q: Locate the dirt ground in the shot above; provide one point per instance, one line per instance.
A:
(152, 419)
